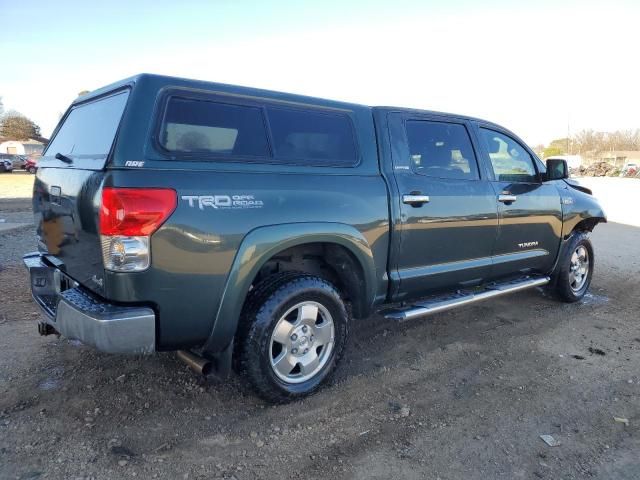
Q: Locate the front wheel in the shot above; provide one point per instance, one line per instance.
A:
(31, 170)
(575, 268)
(293, 330)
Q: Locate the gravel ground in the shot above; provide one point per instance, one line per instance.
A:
(464, 394)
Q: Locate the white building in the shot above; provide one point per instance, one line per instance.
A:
(26, 147)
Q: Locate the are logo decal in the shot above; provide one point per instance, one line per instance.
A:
(134, 163)
(528, 244)
(222, 202)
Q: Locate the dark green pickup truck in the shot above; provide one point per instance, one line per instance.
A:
(246, 228)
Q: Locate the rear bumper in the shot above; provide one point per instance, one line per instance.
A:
(78, 314)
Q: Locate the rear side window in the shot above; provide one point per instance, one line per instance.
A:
(312, 137)
(89, 129)
(441, 149)
(199, 126)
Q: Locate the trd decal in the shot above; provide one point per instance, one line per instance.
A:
(222, 202)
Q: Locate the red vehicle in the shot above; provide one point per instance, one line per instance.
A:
(31, 165)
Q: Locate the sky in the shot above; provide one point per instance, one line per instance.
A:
(540, 68)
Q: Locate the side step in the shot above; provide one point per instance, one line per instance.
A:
(447, 302)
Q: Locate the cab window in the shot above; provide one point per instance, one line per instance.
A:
(441, 149)
(509, 160)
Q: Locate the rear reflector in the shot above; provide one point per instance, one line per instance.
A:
(134, 212)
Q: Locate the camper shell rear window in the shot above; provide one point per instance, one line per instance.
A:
(89, 129)
(202, 128)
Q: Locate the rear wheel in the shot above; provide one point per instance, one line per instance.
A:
(293, 330)
(575, 269)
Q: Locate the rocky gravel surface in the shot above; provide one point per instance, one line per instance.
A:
(463, 394)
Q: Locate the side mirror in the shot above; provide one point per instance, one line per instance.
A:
(557, 169)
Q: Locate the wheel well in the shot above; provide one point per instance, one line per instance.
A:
(330, 261)
(586, 225)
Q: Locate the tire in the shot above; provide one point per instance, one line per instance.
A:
(31, 170)
(292, 333)
(573, 276)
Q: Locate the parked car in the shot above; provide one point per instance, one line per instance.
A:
(17, 161)
(6, 166)
(31, 165)
(246, 228)
(629, 170)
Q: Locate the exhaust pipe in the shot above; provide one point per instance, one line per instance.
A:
(197, 363)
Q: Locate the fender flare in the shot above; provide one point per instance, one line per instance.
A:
(577, 207)
(262, 243)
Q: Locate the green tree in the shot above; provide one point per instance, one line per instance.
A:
(15, 126)
(1, 107)
(561, 143)
(559, 146)
(552, 151)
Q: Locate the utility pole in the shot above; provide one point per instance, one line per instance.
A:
(568, 135)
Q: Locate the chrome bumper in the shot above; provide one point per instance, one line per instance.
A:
(78, 314)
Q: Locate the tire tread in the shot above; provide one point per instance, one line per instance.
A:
(256, 317)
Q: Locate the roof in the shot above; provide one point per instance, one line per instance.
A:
(250, 91)
(165, 80)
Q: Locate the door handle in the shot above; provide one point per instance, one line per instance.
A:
(507, 198)
(415, 200)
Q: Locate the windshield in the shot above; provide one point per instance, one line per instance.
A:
(89, 129)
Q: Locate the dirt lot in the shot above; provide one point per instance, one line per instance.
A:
(460, 395)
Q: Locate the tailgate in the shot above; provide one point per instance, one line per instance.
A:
(69, 179)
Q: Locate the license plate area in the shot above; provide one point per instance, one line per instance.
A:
(47, 283)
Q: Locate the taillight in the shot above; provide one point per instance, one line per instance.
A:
(135, 211)
(128, 217)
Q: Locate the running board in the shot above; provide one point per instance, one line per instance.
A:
(440, 304)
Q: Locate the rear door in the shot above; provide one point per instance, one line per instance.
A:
(529, 211)
(70, 175)
(448, 218)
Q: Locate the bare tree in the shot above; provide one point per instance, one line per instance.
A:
(591, 142)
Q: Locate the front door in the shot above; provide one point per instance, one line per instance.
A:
(529, 211)
(448, 214)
